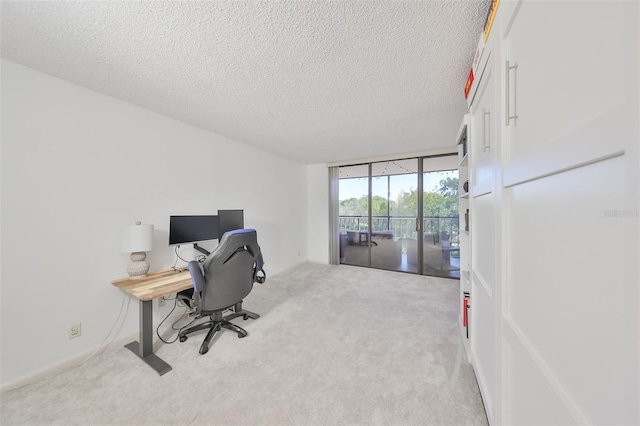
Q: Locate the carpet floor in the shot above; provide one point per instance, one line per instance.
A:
(334, 345)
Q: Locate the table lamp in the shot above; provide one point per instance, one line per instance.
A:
(137, 240)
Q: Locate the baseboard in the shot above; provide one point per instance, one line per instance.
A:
(72, 361)
(62, 366)
(482, 386)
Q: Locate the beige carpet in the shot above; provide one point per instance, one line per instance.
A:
(334, 345)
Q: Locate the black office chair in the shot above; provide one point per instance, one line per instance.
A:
(221, 282)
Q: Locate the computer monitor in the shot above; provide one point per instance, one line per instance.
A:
(192, 229)
(230, 220)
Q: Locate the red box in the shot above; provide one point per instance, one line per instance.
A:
(467, 87)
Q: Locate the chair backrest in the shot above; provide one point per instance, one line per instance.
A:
(230, 270)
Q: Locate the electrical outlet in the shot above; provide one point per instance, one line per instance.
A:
(75, 330)
(161, 302)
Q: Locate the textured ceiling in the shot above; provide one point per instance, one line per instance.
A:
(315, 81)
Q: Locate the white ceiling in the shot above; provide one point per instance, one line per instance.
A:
(315, 81)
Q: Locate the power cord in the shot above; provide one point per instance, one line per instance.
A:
(104, 344)
(200, 258)
(175, 305)
(98, 349)
(179, 330)
(178, 256)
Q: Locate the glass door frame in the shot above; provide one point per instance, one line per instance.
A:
(419, 219)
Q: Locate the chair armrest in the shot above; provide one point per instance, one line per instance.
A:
(197, 277)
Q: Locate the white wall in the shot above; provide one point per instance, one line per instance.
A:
(318, 213)
(77, 167)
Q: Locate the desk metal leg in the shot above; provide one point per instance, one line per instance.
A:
(144, 350)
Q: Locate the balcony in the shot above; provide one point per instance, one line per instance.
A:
(394, 243)
(404, 227)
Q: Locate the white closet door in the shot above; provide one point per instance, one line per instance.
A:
(569, 57)
(485, 148)
(570, 316)
(483, 129)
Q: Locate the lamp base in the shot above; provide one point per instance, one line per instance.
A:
(138, 267)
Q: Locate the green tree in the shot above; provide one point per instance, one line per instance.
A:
(449, 187)
(359, 206)
(434, 204)
(353, 207)
(407, 204)
(379, 206)
(442, 202)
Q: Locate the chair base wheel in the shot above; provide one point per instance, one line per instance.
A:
(216, 323)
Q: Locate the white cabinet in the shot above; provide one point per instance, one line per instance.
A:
(483, 113)
(567, 69)
(570, 327)
(554, 200)
(485, 213)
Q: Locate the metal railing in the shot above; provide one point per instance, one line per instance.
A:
(443, 227)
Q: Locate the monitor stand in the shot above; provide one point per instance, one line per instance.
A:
(201, 250)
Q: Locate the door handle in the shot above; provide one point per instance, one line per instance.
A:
(507, 109)
(486, 130)
(417, 224)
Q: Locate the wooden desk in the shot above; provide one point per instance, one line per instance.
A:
(157, 284)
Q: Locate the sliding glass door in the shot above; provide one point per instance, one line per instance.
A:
(394, 209)
(377, 215)
(353, 213)
(441, 244)
(396, 215)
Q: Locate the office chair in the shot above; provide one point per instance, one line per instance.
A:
(221, 282)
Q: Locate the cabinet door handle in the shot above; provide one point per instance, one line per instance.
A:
(507, 108)
(486, 130)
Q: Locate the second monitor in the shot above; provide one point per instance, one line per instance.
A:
(229, 220)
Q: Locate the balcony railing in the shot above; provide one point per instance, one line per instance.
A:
(443, 227)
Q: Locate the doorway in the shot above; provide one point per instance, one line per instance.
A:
(400, 215)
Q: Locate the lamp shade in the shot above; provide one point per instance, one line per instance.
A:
(137, 238)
